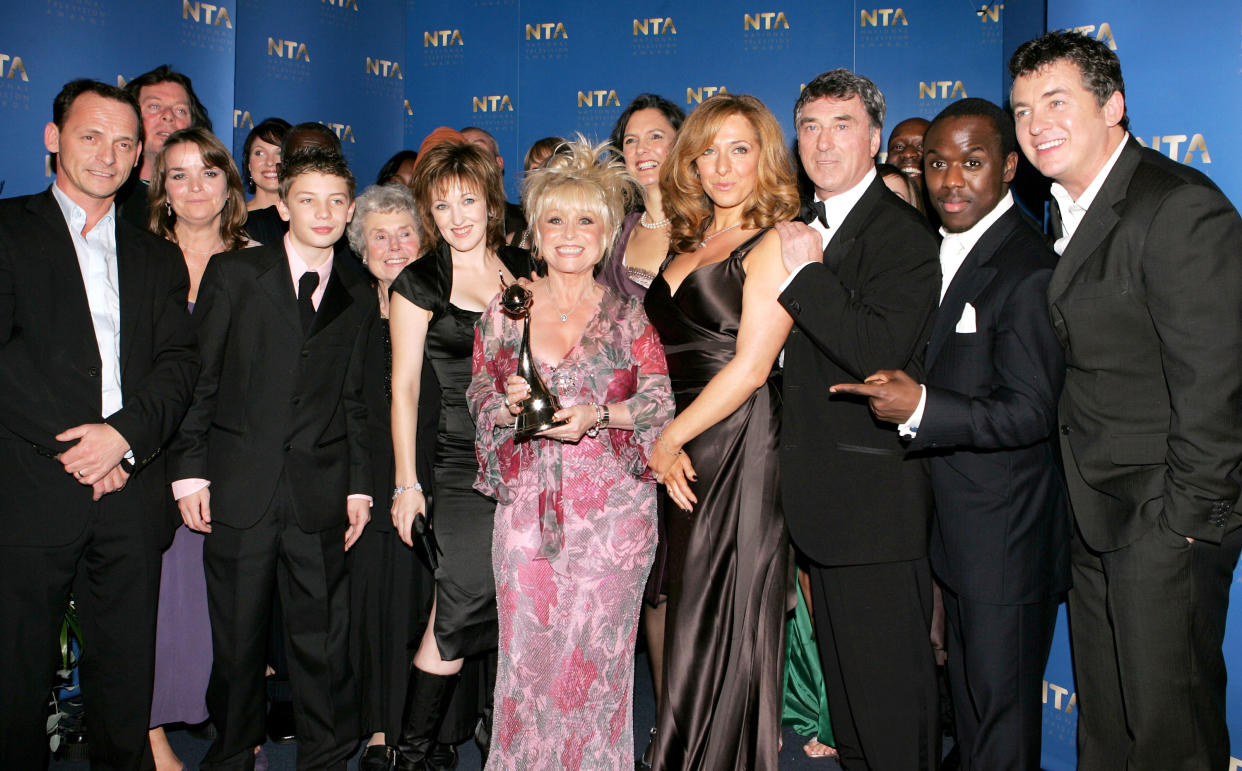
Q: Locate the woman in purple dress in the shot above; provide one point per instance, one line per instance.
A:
(575, 528)
(197, 203)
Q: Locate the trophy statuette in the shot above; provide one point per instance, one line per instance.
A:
(541, 405)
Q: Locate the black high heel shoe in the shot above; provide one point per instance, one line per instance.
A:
(644, 763)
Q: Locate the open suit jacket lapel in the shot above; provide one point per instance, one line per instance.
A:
(971, 278)
(72, 309)
(335, 300)
(842, 242)
(131, 278)
(277, 284)
(1102, 216)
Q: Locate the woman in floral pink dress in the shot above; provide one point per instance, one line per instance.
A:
(575, 526)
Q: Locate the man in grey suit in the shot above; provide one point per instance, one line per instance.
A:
(1145, 302)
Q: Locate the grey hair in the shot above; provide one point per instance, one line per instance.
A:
(380, 199)
(843, 84)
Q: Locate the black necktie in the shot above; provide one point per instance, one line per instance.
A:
(306, 287)
(821, 213)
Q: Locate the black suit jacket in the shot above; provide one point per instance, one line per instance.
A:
(1145, 301)
(1001, 530)
(850, 494)
(50, 370)
(272, 400)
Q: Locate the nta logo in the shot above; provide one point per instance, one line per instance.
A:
(1059, 702)
(206, 13)
(599, 98)
(12, 67)
(497, 103)
(548, 30)
(765, 20)
(1174, 141)
(242, 119)
(442, 37)
(1104, 33)
(656, 26)
(287, 49)
(697, 95)
(342, 3)
(344, 131)
(948, 89)
(384, 68)
(882, 17)
(990, 13)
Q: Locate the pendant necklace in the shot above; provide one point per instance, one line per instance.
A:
(564, 315)
(703, 243)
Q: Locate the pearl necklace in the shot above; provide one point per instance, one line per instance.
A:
(642, 220)
(703, 243)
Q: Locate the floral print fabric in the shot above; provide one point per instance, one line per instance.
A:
(569, 614)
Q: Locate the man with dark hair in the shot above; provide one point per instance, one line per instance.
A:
(97, 362)
(985, 415)
(271, 463)
(166, 103)
(515, 220)
(861, 291)
(1145, 301)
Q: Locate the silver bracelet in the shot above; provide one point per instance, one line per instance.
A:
(399, 489)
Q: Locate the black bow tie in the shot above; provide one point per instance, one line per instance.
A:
(821, 214)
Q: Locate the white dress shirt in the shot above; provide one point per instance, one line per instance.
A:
(836, 209)
(953, 250)
(96, 252)
(1073, 211)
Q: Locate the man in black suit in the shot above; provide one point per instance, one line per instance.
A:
(277, 428)
(1145, 302)
(862, 291)
(985, 415)
(97, 362)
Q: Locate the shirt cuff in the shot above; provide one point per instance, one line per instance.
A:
(911, 426)
(790, 278)
(360, 497)
(183, 487)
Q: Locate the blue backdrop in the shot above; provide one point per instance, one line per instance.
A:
(383, 73)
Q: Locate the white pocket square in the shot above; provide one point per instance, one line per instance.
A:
(966, 324)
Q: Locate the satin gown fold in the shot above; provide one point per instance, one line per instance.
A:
(729, 558)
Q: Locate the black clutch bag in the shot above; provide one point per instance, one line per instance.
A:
(425, 545)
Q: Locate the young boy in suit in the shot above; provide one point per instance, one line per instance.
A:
(270, 462)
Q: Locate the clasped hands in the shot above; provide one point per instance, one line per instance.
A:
(580, 417)
(672, 468)
(95, 459)
(893, 395)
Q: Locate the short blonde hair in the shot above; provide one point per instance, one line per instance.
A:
(583, 175)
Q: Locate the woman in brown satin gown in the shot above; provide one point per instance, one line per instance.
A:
(727, 180)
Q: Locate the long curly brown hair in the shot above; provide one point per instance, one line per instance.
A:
(775, 198)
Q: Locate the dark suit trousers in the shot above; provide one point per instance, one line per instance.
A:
(997, 655)
(244, 567)
(113, 570)
(1147, 622)
(872, 624)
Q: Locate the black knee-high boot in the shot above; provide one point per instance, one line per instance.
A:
(426, 700)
